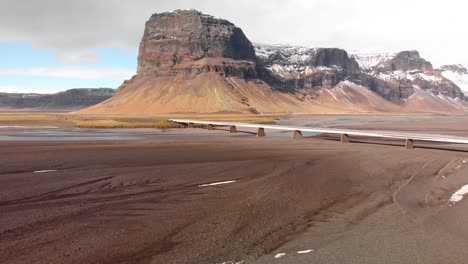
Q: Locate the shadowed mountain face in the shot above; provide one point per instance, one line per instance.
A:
(190, 62)
(68, 100)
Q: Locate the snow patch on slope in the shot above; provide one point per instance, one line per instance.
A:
(408, 75)
(294, 54)
(367, 61)
(296, 71)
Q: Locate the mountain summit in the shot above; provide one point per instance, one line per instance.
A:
(190, 62)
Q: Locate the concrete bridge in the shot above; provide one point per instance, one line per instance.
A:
(344, 133)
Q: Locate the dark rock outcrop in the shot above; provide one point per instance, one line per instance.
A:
(407, 61)
(70, 99)
(334, 58)
(190, 42)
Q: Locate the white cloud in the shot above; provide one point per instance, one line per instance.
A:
(72, 72)
(78, 57)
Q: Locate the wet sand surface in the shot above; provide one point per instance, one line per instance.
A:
(198, 196)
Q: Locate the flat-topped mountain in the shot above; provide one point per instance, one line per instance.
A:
(190, 62)
(189, 40)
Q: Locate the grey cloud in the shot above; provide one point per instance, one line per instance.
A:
(75, 28)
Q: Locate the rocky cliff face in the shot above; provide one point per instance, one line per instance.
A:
(405, 61)
(296, 68)
(189, 42)
(67, 100)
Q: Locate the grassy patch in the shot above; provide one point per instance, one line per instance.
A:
(26, 117)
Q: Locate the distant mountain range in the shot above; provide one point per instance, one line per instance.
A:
(190, 62)
(72, 99)
(404, 78)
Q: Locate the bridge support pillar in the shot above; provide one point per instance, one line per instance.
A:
(297, 134)
(210, 127)
(190, 125)
(409, 144)
(232, 129)
(344, 138)
(261, 132)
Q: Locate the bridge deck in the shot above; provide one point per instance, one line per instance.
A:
(349, 132)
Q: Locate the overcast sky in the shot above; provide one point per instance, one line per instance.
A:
(56, 44)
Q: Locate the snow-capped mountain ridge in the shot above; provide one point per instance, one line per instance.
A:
(393, 76)
(457, 74)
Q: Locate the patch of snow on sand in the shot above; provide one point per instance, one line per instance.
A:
(279, 255)
(44, 171)
(458, 195)
(215, 183)
(307, 251)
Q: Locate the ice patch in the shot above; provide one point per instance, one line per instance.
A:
(307, 251)
(458, 195)
(279, 255)
(215, 183)
(44, 171)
